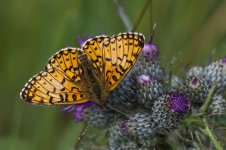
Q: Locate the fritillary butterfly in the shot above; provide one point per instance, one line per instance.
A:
(75, 75)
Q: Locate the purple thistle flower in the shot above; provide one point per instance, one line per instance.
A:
(78, 109)
(224, 65)
(81, 41)
(194, 82)
(144, 79)
(124, 127)
(178, 102)
(224, 60)
(86, 37)
(150, 51)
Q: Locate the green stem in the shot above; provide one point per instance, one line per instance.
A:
(123, 16)
(212, 136)
(78, 141)
(141, 15)
(207, 101)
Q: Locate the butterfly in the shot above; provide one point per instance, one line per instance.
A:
(78, 75)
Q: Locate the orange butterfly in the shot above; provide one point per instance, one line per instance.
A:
(75, 75)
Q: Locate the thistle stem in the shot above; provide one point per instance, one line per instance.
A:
(207, 101)
(212, 136)
(123, 16)
(78, 141)
(141, 15)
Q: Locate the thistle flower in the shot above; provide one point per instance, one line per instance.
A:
(144, 79)
(150, 51)
(195, 71)
(196, 88)
(99, 118)
(140, 126)
(215, 73)
(81, 41)
(122, 146)
(169, 109)
(148, 63)
(217, 105)
(149, 90)
(124, 95)
(78, 109)
(116, 135)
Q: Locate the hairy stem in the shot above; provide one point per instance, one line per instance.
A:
(141, 15)
(212, 136)
(207, 101)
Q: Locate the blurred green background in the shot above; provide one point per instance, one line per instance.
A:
(33, 30)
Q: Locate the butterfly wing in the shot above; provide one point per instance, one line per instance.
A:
(64, 79)
(60, 83)
(93, 48)
(113, 57)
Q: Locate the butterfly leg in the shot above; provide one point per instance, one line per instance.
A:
(116, 110)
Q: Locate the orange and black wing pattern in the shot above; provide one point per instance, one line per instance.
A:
(60, 83)
(66, 77)
(113, 57)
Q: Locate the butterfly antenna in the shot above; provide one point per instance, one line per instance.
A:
(118, 111)
(78, 141)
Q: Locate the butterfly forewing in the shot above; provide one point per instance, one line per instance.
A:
(60, 83)
(116, 56)
(67, 60)
(93, 48)
(130, 45)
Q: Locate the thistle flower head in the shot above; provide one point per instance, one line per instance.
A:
(194, 82)
(224, 60)
(217, 105)
(195, 71)
(144, 79)
(196, 89)
(150, 50)
(140, 125)
(178, 102)
(81, 41)
(124, 127)
(78, 109)
(224, 65)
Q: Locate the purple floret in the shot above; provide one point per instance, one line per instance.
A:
(150, 51)
(224, 60)
(178, 102)
(78, 109)
(144, 79)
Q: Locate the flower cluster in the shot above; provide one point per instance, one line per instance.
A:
(155, 107)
